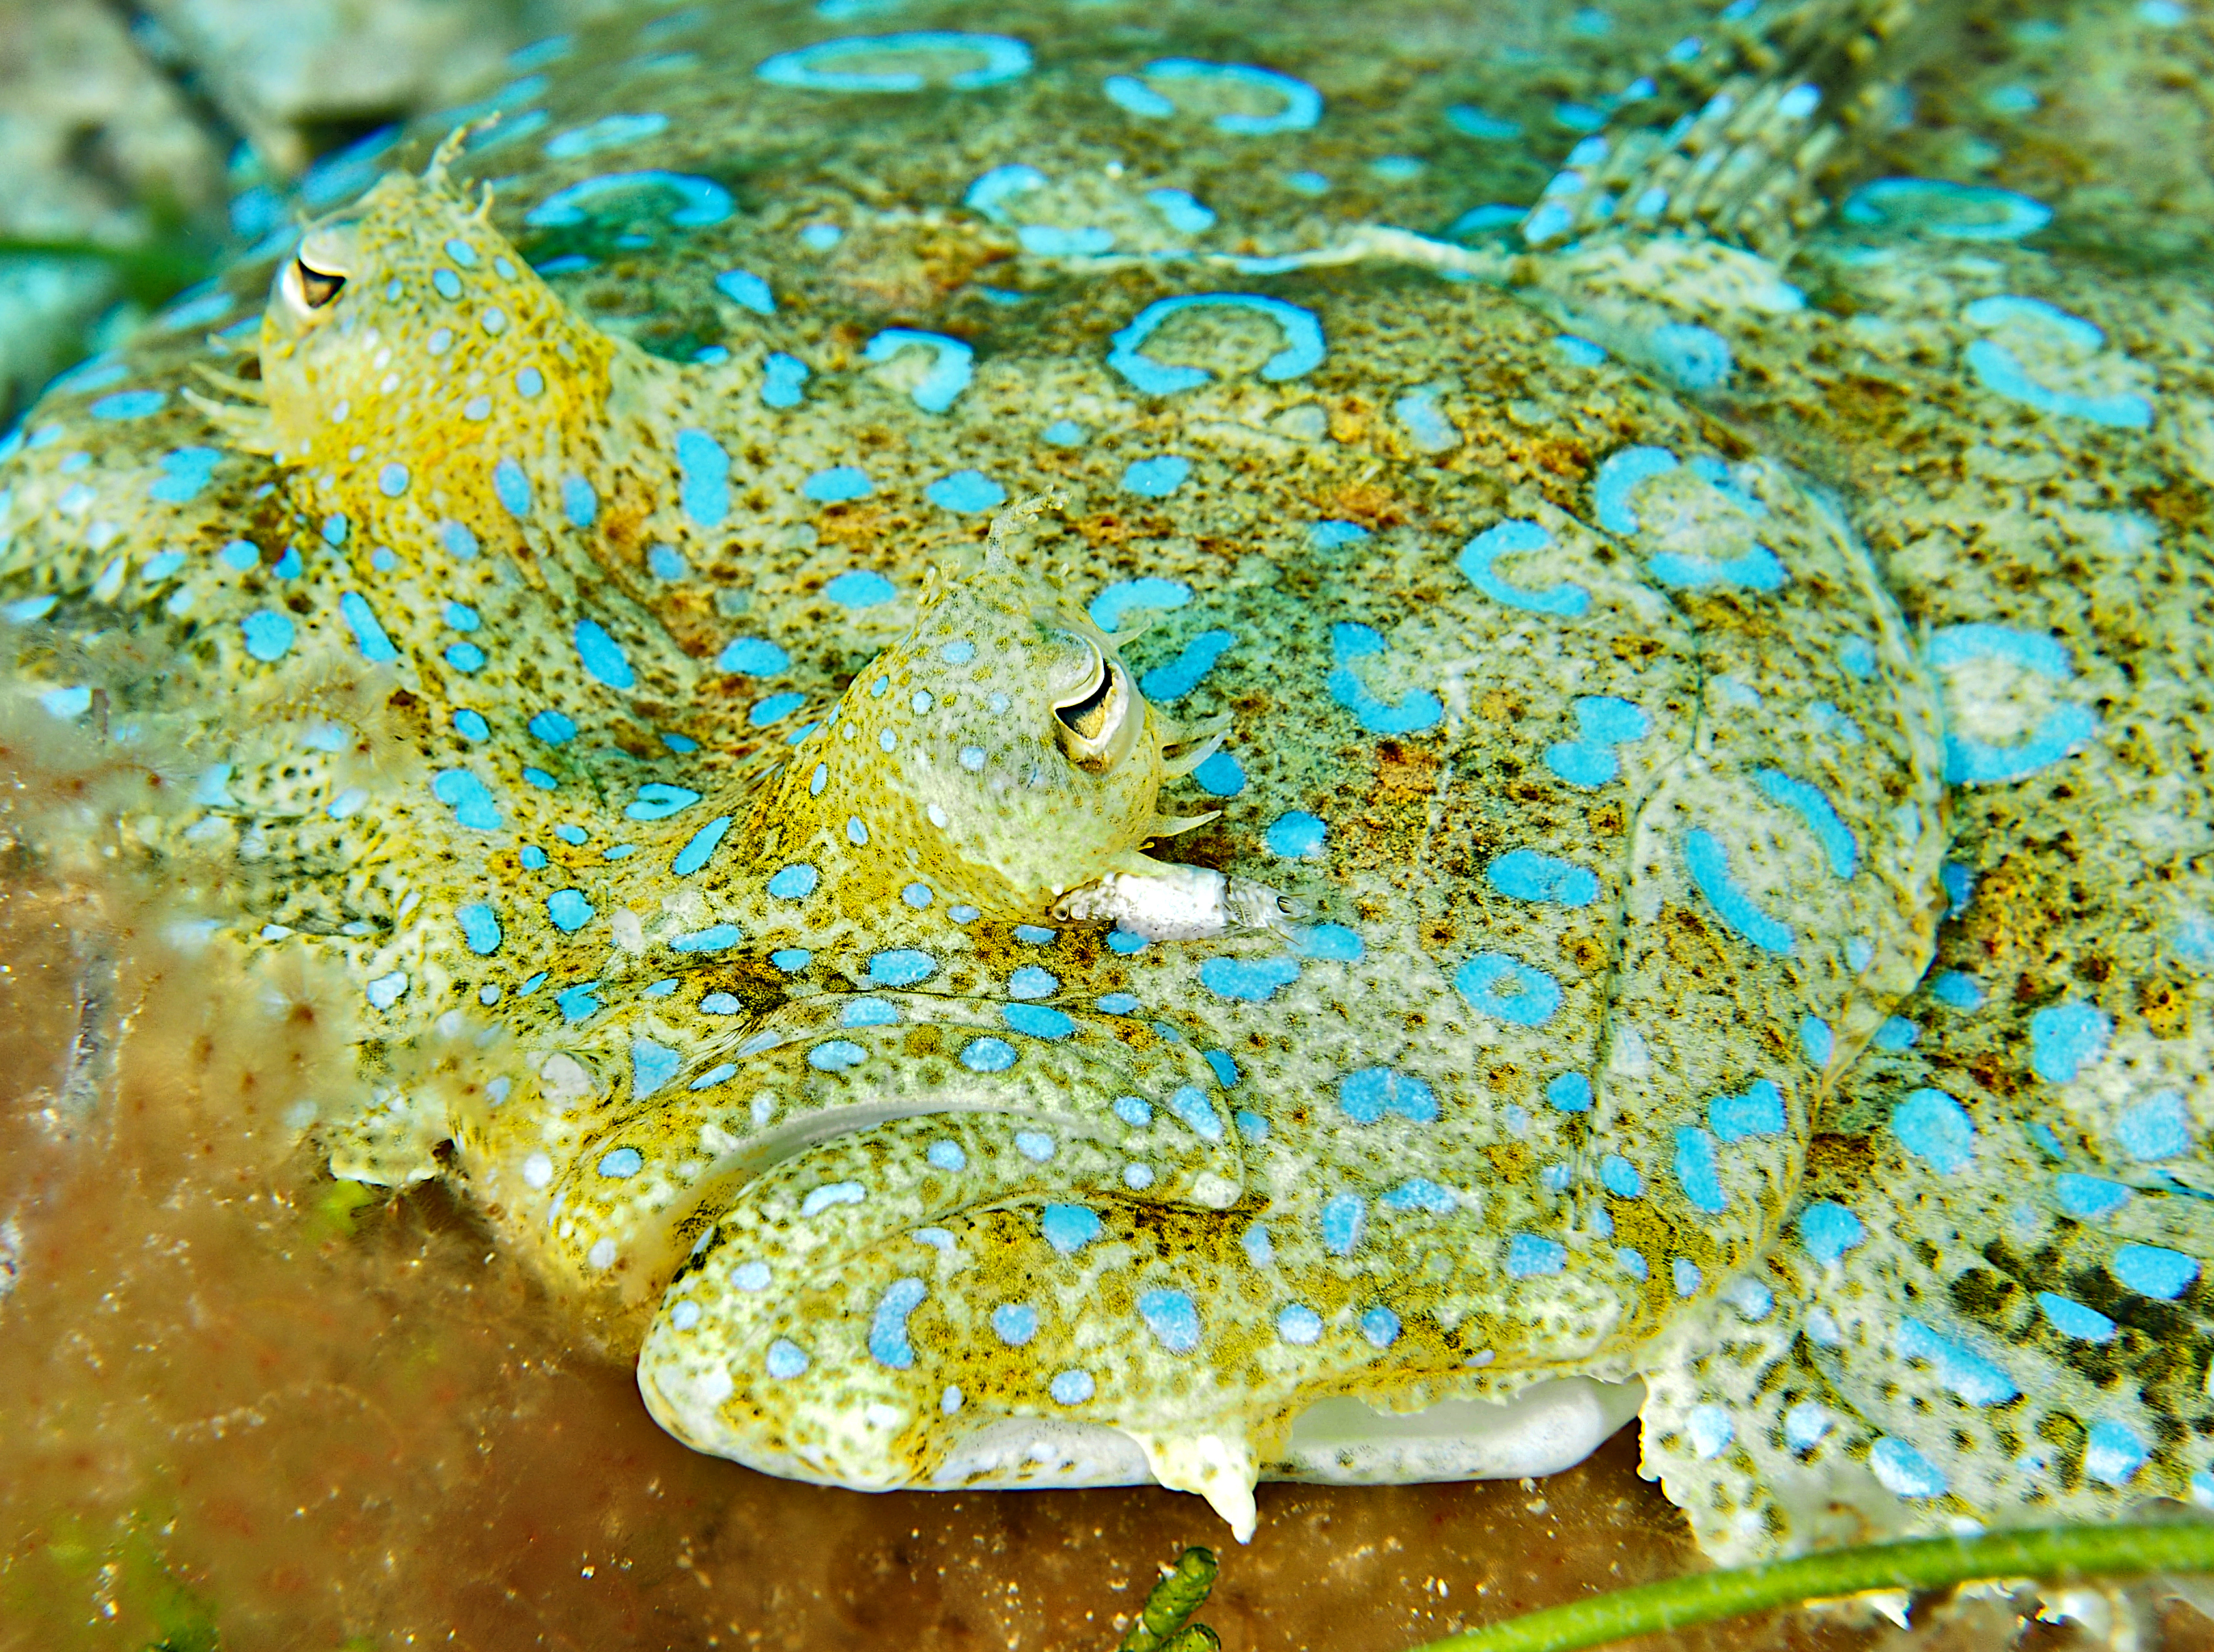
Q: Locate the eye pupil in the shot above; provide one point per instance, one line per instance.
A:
(1087, 716)
(317, 286)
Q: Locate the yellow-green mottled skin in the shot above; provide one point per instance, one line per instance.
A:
(811, 927)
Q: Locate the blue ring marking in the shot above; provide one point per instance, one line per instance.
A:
(715, 937)
(472, 803)
(987, 1054)
(1069, 1227)
(1515, 537)
(1695, 358)
(1187, 670)
(704, 468)
(609, 131)
(1698, 1171)
(808, 69)
(1999, 370)
(657, 801)
(1531, 1255)
(479, 927)
(901, 967)
(966, 491)
(2064, 1038)
(1302, 103)
(1967, 1374)
(1508, 990)
(694, 203)
(1757, 569)
(2157, 1128)
(268, 635)
(1937, 1129)
(1184, 212)
(1108, 609)
(368, 634)
(1708, 861)
(2072, 1318)
(1816, 809)
(952, 365)
(888, 1342)
(1620, 478)
(695, 854)
(652, 1066)
(782, 375)
(602, 656)
(569, 910)
(1603, 722)
(2154, 1270)
(2006, 308)
(1526, 875)
(1368, 1095)
(1418, 708)
(747, 290)
(1252, 981)
(1978, 213)
(1303, 352)
(1343, 1219)
(1828, 1230)
(860, 589)
(995, 187)
(1758, 1111)
(1904, 1471)
(2113, 1453)
(1173, 1319)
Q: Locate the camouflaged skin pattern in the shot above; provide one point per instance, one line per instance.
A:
(681, 798)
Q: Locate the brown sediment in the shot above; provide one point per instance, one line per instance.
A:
(240, 1400)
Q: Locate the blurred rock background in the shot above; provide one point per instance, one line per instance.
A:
(139, 142)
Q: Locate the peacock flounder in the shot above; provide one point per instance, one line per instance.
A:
(1397, 872)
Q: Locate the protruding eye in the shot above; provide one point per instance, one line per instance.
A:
(1087, 714)
(317, 287)
(1096, 723)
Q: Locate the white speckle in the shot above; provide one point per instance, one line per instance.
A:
(881, 1415)
(684, 1315)
(603, 1253)
(972, 759)
(938, 817)
(537, 1170)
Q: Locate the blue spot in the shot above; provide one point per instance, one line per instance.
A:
(1419, 1193)
(901, 967)
(268, 633)
(794, 882)
(987, 1054)
(814, 68)
(1602, 723)
(1183, 213)
(1293, 835)
(1956, 211)
(1219, 776)
(2154, 1270)
(1934, 1127)
(690, 203)
(479, 928)
(710, 1004)
(2113, 1453)
(569, 910)
(952, 365)
(623, 1161)
(579, 502)
(1109, 608)
(694, 855)
(511, 487)
(368, 634)
(966, 491)
(1708, 862)
(1685, 1276)
(2087, 1198)
(1828, 1231)
(1956, 991)
(1331, 536)
(392, 480)
(1695, 357)
(1172, 1317)
(1015, 1323)
(1379, 1326)
(1620, 1178)
(1184, 673)
(1190, 1104)
(1473, 122)
(1496, 985)
(1620, 478)
(782, 376)
(1417, 710)
(1031, 981)
(1531, 1256)
(652, 1066)
(1063, 433)
(184, 473)
(1133, 1110)
(2157, 1128)
(1225, 1069)
(1816, 810)
(715, 937)
(1758, 1111)
(465, 657)
(1897, 1033)
(1072, 1387)
(1370, 1093)
(1565, 600)
(1068, 1227)
(947, 1156)
(1697, 1171)
(704, 488)
(747, 290)
(533, 857)
(1302, 352)
(657, 801)
(1037, 1020)
(1973, 1378)
(1118, 1003)
(1333, 942)
(887, 1342)
(752, 656)
(1157, 478)
(2072, 1318)
(466, 795)
(786, 1360)
(1300, 1325)
(1816, 1040)
(1253, 981)
(472, 724)
(1525, 875)
(837, 485)
(1344, 1217)
(602, 655)
(860, 589)
(128, 404)
(2065, 1038)
(836, 1055)
(1569, 1092)
(1577, 352)
(577, 1003)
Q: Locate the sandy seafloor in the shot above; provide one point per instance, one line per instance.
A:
(238, 1411)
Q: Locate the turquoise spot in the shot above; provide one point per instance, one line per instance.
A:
(1967, 1374)
(1344, 1217)
(901, 967)
(703, 487)
(1758, 1111)
(1294, 835)
(860, 589)
(2154, 1129)
(1069, 1227)
(1219, 776)
(837, 485)
(888, 1342)
(1189, 669)
(2065, 1038)
(511, 487)
(1333, 942)
(1368, 1095)
(1829, 1230)
(2154, 1270)
(1157, 478)
(2113, 1453)
(1110, 606)
(752, 656)
(268, 633)
(602, 656)
(657, 801)
(128, 404)
(569, 910)
(1498, 986)
(368, 634)
(652, 1066)
(695, 852)
(1526, 875)
(794, 883)
(747, 290)
(1253, 981)
(1708, 861)
(2072, 1318)
(782, 376)
(1173, 1319)
(466, 795)
(773, 708)
(1529, 1255)
(1697, 1171)
(2087, 1198)
(479, 928)
(1603, 722)
(715, 937)
(1936, 1128)
(1569, 1092)
(1417, 709)
(966, 491)
(184, 473)
(1037, 1020)
(987, 1054)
